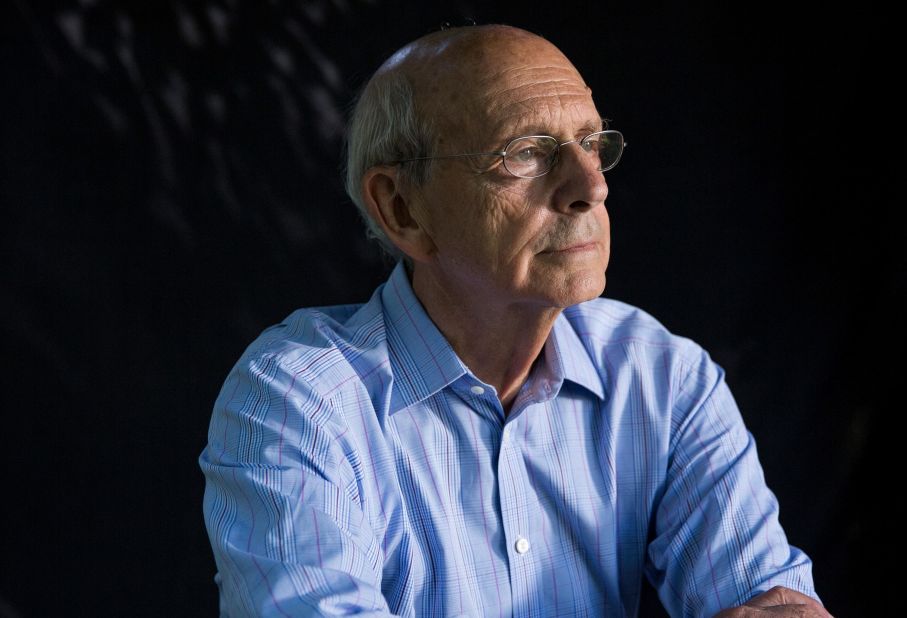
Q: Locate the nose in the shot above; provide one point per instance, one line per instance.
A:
(580, 186)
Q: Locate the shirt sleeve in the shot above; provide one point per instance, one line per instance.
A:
(717, 539)
(281, 506)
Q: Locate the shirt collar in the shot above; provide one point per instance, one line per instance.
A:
(566, 358)
(421, 359)
(423, 362)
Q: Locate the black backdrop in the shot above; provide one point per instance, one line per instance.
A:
(170, 186)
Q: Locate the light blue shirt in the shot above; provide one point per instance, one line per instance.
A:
(355, 464)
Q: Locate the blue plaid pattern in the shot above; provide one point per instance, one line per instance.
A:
(355, 464)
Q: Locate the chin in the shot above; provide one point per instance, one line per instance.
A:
(579, 288)
(593, 290)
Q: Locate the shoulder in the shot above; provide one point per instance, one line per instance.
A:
(319, 346)
(609, 322)
(626, 342)
(289, 381)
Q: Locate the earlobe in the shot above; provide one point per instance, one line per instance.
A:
(389, 206)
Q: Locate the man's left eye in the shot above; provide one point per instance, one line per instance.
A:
(526, 155)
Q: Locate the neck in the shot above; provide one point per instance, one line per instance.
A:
(499, 342)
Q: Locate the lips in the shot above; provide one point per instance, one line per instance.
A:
(574, 248)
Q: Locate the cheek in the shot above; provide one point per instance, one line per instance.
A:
(512, 221)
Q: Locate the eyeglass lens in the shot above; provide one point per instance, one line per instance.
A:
(529, 157)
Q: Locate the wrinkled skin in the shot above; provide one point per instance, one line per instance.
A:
(495, 236)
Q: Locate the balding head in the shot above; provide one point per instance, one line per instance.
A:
(421, 97)
(453, 73)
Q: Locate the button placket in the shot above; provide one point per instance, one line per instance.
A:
(515, 509)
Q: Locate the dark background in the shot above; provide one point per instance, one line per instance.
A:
(170, 186)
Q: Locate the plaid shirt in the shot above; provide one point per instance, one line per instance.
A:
(355, 463)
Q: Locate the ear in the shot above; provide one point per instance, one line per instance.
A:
(390, 206)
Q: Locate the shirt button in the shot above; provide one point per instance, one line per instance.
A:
(522, 545)
(477, 390)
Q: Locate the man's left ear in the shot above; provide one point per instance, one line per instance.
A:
(389, 206)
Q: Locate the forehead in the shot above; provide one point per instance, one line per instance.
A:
(504, 82)
(533, 99)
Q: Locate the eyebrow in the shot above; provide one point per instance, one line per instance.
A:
(589, 126)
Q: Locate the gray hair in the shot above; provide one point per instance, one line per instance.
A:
(385, 128)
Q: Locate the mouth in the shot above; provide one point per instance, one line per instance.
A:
(577, 248)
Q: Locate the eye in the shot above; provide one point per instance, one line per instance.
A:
(591, 144)
(530, 149)
(531, 156)
(528, 154)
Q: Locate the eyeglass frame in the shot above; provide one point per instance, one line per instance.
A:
(554, 156)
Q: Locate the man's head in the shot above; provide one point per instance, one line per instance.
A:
(467, 225)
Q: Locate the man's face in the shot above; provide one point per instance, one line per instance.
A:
(509, 240)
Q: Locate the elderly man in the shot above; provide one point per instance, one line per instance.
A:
(486, 436)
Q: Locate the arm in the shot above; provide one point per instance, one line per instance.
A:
(283, 514)
(717, 539)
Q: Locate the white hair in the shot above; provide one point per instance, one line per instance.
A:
(385, 128)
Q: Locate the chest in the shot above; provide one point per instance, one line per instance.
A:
(549, 506)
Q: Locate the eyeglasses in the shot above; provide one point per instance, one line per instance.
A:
(532, 156)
